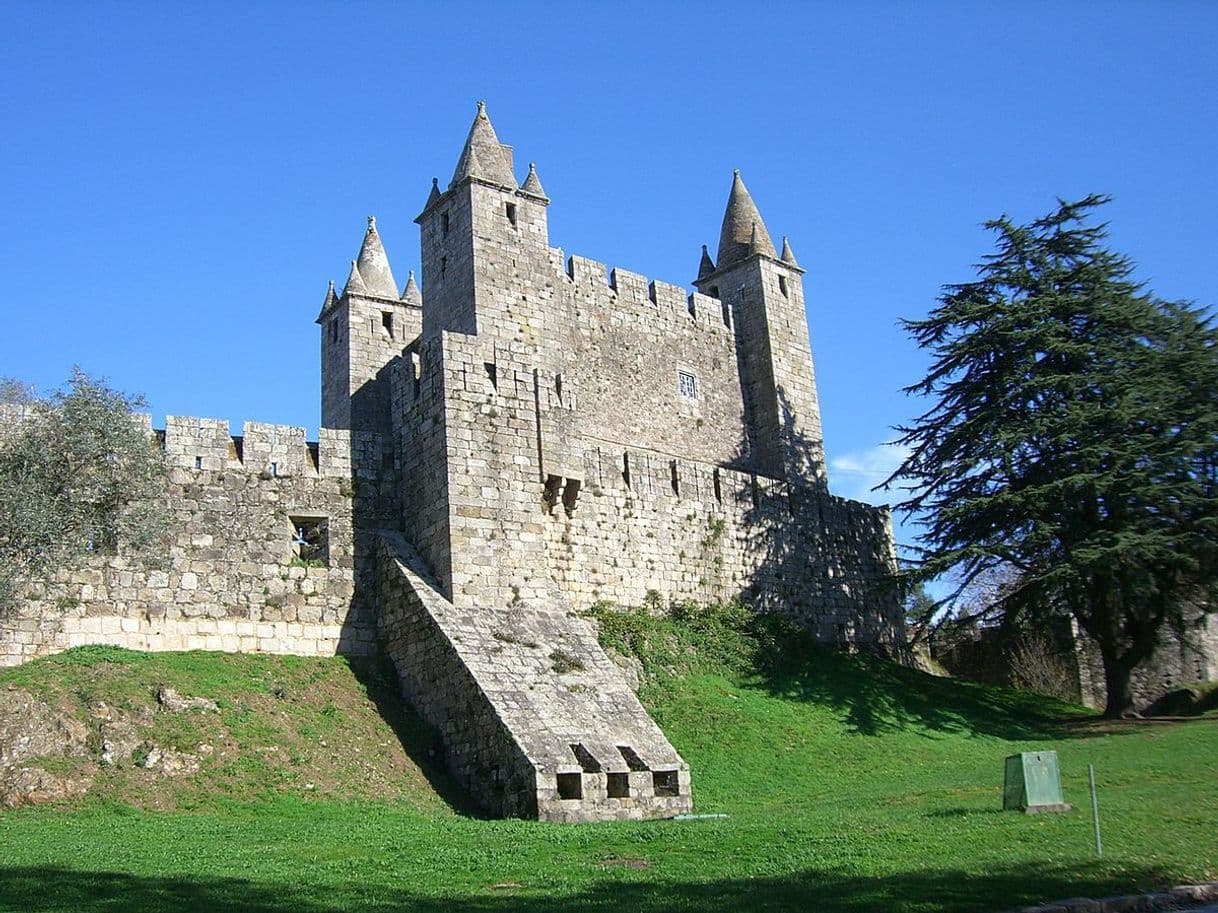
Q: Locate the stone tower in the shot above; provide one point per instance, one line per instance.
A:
(765, 293)
(363, 329)
(538, 721)
(478, 237)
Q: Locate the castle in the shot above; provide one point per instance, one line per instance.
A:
(522, 437)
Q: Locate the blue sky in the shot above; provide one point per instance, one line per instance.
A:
(179, 182)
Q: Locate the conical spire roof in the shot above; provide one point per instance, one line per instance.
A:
(434, 195)
(754, 241)
(707, 265)
(532, 184)
(736, 238)
(328, 302)
(355, 282)
(411, 294)
(484, 157)
(788, 255)
(374, 264)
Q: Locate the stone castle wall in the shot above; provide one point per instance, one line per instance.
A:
(536, 507)
(1179, 661)
(529, 436)
(631, 338)
(229, 576)
(695, 531)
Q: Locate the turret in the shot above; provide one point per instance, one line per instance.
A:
(363, 328)
(765, 292)
(483, 218)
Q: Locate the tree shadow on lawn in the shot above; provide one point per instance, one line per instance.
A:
(878, 696)
(43, 889)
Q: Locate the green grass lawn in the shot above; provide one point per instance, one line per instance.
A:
(849, 784)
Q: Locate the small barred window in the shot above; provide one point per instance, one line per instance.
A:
(687, 385)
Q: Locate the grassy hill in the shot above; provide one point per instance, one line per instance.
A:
(848, 783)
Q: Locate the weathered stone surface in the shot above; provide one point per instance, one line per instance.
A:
(33, 785)
(525, 698)
(173, 702)
(29, 729)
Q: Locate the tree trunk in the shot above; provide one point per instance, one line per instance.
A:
(1117, 672)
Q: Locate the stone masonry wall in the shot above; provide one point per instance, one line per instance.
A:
(479, 747)
(777, 360)
(623, 338)
(573, 463)
(229, 577)
(540, 508)
(1177, 662)
(632, 339)
(649, 522)
(418, 397)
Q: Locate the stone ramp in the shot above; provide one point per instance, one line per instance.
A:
(536, 720)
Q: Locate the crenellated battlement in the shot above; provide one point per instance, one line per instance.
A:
(274, 451)
(634, 294)
(652, 475)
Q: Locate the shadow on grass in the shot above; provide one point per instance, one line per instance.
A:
(420, 741)
(878, 696)
(40, 889)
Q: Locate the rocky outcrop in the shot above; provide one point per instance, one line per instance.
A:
(48, 754)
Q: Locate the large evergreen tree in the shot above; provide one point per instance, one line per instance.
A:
(1073, 436)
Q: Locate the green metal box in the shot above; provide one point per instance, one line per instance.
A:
(1033, 783)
